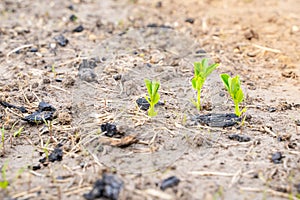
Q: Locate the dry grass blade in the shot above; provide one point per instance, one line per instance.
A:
(208, 173)
(270, 191)
(25, 193)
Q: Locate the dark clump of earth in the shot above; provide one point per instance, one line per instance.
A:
(109, 129)
(239, 138)
(108, 187)
(44, 112)
(277, 158)
(169, 182)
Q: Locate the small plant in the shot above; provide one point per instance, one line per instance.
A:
(45, 148)
(18, 132)
(4, 183)
(201, 71)
(2, 139)
(152, 88)
(233, 86)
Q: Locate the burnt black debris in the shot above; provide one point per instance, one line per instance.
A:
(55, 155)
(277, 158)
(108, 187)
(109, 129)
(272, 109)
(44, 112)
(8, 105)
(154, 25)
(240, 138)
(169, 182)
(73, 18)
(78, 29)
(200, 52)
(190, 20)
(298, 187)
(61, 40)
(143, 104)
(34, 50)
(218, 120)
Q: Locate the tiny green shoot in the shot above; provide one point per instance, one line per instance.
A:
(201, 71)
(153, 98)
(4, 183)
(18, 132)
(233, 87)
(2, 139)
(45, 148)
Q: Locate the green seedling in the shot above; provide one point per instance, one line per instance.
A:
(233, 86)
(18, 132)
(2, 139)
(152, 88)
(45, 148)
(201, 71)
(4, 183)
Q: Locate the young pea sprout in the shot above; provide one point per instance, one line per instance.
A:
(201, 71)
(233, 87)
(153, 98)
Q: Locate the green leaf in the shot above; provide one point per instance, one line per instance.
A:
(204, 64)
(155, 87)
(3, 184)
(148, 86)
(197, 69)
(194, 83)
(225, 79)
(156, 98)
(235, 85)
(148, 99)
(210, 69)
(239, 96)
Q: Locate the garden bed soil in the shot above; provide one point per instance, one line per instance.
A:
(81, 66)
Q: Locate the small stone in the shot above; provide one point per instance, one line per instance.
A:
(169, 182)
(277, 158)
(190, 20)
(78, 29)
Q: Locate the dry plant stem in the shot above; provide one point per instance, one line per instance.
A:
(266, 48)
(270, 191)
(17, 49)
(22, 194)
(210, 173)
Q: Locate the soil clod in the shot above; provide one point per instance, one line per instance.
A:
(108, 187)
(169, 182)
(218, 120)
(239, 138)
(277, 158)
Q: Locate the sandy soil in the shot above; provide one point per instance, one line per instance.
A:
(97, 76)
